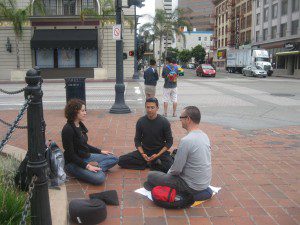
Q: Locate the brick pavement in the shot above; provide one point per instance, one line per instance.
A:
(257, 170)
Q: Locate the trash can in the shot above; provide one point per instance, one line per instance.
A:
(75, 88)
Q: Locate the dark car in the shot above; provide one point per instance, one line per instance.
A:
(205, 70)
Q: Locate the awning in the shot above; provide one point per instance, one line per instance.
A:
(83, 38)
(288, 53)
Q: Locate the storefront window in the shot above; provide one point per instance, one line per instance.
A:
(280, 62)
(44, 58)
(66, 58)
(88, 57)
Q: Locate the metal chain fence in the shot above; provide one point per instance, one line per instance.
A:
(15, 123)
(12, 92)
(10, 125)
(27, 202)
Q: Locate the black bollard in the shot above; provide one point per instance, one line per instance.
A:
(119, 107)
(37, 164)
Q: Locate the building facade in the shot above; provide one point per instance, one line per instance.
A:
(195, 38)
(64, 45)
(224, 32)
(276, 28)
(200, 13)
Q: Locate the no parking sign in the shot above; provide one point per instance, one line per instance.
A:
(117, 31)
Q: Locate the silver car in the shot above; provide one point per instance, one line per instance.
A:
(254, 71)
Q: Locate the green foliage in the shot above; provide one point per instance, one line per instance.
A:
(198, 52)
(185, 56)
(11, 200)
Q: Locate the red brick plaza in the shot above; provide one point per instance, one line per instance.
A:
(257, 170)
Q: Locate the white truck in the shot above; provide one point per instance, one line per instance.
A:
(237, 59)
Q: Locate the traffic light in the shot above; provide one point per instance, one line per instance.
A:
(131, 53)
(137, 3)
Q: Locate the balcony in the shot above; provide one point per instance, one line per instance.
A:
(54, 8)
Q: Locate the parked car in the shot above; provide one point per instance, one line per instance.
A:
(254, 71)
(205, 70)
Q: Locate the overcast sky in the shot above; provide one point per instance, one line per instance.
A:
(149, 8)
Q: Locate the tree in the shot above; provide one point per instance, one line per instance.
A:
(18, 17)
(172, 52)
(198, 52)
(185, 56)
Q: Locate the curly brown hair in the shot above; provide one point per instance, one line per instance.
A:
(72, 108)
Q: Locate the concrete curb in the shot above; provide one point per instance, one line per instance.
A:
(58, 198)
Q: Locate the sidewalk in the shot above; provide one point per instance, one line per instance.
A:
(257, 171)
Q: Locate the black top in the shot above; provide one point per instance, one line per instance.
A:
(74, 141)
(168, 83)
(151, 76)
(153, 135)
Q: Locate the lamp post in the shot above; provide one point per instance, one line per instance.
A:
(119, 107)
(135, 73)
(37, 164)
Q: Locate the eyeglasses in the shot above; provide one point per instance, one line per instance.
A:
(182, 117)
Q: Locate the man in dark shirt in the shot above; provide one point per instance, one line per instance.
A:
(153, 138)
(151, 78)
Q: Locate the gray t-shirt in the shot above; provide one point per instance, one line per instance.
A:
(193, 160)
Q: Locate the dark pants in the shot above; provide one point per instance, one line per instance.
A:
(134, 160)
(156, 178)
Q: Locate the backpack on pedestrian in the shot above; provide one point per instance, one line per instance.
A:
(173, 73)
(169, 198)
(55, 168)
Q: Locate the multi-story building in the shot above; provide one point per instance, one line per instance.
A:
(195, 38)
(242, 22)
(200, 13)
(224, 32)
(64, 45)
(276, 28)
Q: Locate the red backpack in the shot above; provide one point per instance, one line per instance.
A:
(169, 198)
(164, 193)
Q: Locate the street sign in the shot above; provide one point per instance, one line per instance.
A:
(117, 32)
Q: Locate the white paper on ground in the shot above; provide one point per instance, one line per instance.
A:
(146, 193)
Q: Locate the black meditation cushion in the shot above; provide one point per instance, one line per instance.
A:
(87, 211)
(110, 197)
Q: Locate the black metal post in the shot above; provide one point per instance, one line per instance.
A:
(135, 73)
(119, 107)
(37, 164)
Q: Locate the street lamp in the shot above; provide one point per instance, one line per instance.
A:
(119, 107)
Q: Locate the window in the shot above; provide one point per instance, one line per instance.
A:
(44, 58)
(249, 6)
(248, 36)
(274, 11)
(205, 38)
(266, 14)
(295, 5)
(257, 36)
(87, 4)
(199, 38)
(249, 18)
(243, 23)
(265, 2)
(265, 34)
(88, 57)
(69, 7)
(273, 32)
(284, 7)
(257, 18)
(257, 3)
(50, 8)
(243, 9)
(238, 10)
(295, 26)
(283, 30)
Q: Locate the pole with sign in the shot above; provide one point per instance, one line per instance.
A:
(119, 107)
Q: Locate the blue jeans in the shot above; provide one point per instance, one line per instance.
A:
(105, 162)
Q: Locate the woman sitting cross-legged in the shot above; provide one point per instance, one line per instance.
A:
(83, 161)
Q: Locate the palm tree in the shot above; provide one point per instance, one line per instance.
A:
(18, 17)
(164, 26)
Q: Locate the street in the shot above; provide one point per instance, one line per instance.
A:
(231, 100)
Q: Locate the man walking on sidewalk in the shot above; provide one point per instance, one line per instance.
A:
(153, 138)
(151, 78)
(170, 74)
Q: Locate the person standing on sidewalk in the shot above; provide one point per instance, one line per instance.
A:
(153, 139)
(170, 74)
(191, 171)
(151, 78)
(83, 161)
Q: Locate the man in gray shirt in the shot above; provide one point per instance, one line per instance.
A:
(191, 171)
